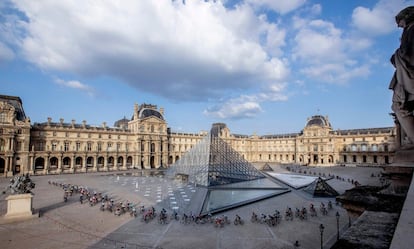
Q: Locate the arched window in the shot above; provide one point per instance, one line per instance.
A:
(78, 161)
(353, 147)
(66, 162)
(53, 162)
(364, 147)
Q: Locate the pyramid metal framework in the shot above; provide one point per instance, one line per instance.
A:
(267, 167)
(213, 162)
(320, 188)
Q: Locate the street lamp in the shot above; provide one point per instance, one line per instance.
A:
(321, 227)
(337, 225)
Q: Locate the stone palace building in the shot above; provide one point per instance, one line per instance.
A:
(146, 142)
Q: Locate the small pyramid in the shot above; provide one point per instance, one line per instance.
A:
(213, 162)
(319, 188)
(266, 167)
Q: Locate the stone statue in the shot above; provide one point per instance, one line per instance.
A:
(21, 185)
(402, 82)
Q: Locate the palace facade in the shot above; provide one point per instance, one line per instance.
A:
(146, 142)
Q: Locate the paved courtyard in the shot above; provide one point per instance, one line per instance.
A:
(74, 225)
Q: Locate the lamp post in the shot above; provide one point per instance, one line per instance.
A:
(337, 225)
(321, 227)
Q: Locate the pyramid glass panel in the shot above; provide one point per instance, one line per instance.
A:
(320, 188)
(213, 162)
(226, 178)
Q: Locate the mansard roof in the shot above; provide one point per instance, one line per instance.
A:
(16, 102)
(365, 131)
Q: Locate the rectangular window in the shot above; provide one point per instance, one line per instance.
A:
(89, 148)
(66, 146)
(40, 146)
(3, 117)
(78, 145)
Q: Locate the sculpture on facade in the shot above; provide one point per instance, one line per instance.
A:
(21, 184)
(402, 82)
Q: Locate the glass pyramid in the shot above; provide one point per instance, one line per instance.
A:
(213, 162)
(320, 188)
(228, 179)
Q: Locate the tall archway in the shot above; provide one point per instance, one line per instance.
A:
(78, 162)
(111, 161)
(330, 159)
(66, 163)
(129, 161)
(39, 163)
(2, 165)
(120, 161)
(89, 162)
(101, 161)
(53, 163)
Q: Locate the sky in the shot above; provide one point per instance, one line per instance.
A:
(260, 66)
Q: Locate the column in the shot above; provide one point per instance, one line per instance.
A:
(83, 169)
(59, 166)
(72, 164)
(105, 166)
(124, 163)
(47, 162)
(95, 163)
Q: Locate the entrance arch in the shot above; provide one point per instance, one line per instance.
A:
(89, 162)
(2, 165)
(152, 162)
(39, 163)
(66, 163)
(53, 163)
(129, 162)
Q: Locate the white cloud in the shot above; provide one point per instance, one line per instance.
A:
(380, 19)
(326, 54)
(316, 9)
(6, 54)
(247, 106)
(335, 72)
(76, 85)
(236, 108)
(192, 51)
(281, 7)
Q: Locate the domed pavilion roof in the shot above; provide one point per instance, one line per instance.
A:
(318, 120)
(122, 123)
(148, 112)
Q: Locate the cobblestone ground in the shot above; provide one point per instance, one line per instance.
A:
(74, 225)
